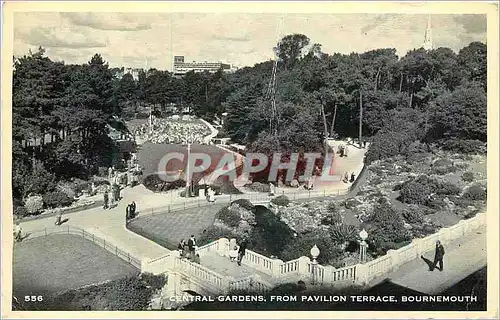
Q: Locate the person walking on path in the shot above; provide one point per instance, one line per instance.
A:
(58, 217)
(353, 177)
(346, 178)
(106, 200)
(18, 232)
(241, 251)
(128, 214)
(180, 247)
(438, 257)
(192, 246)
(133, 207)
(211, 196)
(271, 189)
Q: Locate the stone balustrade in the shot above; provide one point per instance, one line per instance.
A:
(303, 268)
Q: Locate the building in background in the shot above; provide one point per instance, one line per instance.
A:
(181, 67)
(133, 71)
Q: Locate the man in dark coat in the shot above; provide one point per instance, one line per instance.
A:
(132, 209)
(192, 246)
(438, 257)
(241, 251)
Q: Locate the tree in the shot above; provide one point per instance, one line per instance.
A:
(291, 48)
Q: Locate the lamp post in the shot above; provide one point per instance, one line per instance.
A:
(362, 245)
(314, 254)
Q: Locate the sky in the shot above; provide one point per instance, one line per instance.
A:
(150, 40)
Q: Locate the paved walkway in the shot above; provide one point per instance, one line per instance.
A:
(109, 225)
(462, 258)
(223, 266)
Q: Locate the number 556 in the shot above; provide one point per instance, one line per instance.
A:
(33, 298)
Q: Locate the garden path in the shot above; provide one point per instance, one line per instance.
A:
(462, 258)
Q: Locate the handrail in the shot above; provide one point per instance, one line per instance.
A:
(120, 253)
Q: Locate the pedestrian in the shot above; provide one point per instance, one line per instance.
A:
(241, 251)
(438, 257)
(211, 196)
(346, 178)
(133, 207)
(353, 177)
(342, 150)
(364, 144)
(128, 215)
(18, 232)
(271, 189)
(191, 246)
(58, 217)
(106, 200)
(345, 151)
(181, 247)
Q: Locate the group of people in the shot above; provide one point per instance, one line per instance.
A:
(346, 178)
(174, 132)
(130, 211)
(110, 201)
(187, 249)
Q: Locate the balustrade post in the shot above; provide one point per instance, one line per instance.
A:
(276, 267)
(394, 256)
(144, 265)
(362, 274)
(303, 267)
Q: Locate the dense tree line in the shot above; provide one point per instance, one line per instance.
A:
(427, 97)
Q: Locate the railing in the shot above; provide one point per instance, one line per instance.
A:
(252, 283)
(122, 254)
(200, 272)
(209, 247)
(360, 273)
(290, 267)
(255, 198)
(158, 265)
(344, 274)
(263, 263)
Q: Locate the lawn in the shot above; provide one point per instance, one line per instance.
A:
(168, 229)
(55, 263)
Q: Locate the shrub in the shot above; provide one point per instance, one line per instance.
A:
(386, 228)
(258, 187)
(415, 192)
(34, 204)
(230, 216)
(447, 188)
(20, 211)
(464, 146)
(343, 233)
(56, 199)
(244, 203)
(333, 218)
(413, 215)
(332, 207)
(270, 235)
(128, 293)
(81, 185)
(67, 188)
(418, 191)
(330, 253)
(443, 170)
(281, 201)
(102, 172)
(475, 192)
(468, 176)
(214, 233)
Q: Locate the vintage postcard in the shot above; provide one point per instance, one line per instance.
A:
(249, 160)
